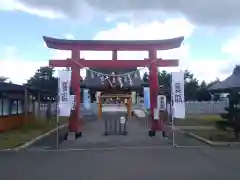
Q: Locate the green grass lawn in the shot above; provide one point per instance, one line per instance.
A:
(215, 135)
(206, 120)
(15, 138)
(198, 120)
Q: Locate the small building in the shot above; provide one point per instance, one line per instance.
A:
(231, 83)
(17, 105)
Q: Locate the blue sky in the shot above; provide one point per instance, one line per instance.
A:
(25, 31)
(21, 42)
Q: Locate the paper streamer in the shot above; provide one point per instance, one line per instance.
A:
(146, 92)
(86, 100)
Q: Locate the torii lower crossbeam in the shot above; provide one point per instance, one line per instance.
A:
(112, 63)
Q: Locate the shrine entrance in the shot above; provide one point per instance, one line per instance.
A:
(76, 63)
(122, 102)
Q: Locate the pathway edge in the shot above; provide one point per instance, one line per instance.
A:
(29, 143)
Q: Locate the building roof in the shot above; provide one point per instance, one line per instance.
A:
(232, 82)
(93, 81)
(9, 87)
(97, 45)
(116, 70)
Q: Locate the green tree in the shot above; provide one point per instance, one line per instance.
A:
(203, 93)
(232, 115)
(145, 77)
(190, 86)
(44, 79)
(164, 79)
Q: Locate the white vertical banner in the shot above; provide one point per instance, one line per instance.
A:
(134, 97)
(86, 100)
(73, 101)
(146, 92)
(65, 103)
(178, 95)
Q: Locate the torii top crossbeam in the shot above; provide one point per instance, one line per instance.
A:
(114, 46)
(111, 45)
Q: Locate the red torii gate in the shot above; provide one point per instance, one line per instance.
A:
(75, 46)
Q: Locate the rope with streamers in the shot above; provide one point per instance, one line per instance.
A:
(116, 75)
(103, 76)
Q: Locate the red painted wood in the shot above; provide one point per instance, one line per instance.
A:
(74, 125)
(106, 45)
(76, 63)
(112, 64)
(154, 88)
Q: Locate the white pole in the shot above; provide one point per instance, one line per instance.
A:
(57, 110)
(172, 116)
(173, 129)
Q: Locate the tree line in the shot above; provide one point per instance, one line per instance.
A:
(194, 89)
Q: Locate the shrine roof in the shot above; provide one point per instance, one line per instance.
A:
(93, 81)
(105, 45)
(116, 70)
(232, 82)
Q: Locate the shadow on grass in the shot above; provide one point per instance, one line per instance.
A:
(27, 132)
(198, 120)
(215, 135)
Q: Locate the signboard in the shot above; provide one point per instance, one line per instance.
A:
(161, 102)
(178, 94)
(98, 93)
(134, 97)
(122, 120)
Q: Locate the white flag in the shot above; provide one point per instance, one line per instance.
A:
(178, 94)
(64, 83)
(86, 100)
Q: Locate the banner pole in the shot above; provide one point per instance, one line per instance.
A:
(57, 109)
(172, 116)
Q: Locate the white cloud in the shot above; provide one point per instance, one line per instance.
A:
(232, 47)
(15, 68)
(204, 69)
(16, 5)
(214, 12)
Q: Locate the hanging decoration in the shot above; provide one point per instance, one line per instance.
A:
(113, 79)
(125, 79)
(92, 75)
(120, 81)
(136, 75)
(130, 79)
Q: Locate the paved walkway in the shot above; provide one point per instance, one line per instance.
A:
(123, 164)
(93, 136)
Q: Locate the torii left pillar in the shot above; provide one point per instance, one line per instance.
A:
(154, 88)
(75, 120)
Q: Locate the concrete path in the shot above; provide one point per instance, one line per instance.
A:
(128, 164)
(93, 136)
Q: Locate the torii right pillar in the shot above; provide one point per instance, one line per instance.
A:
(154, 89)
